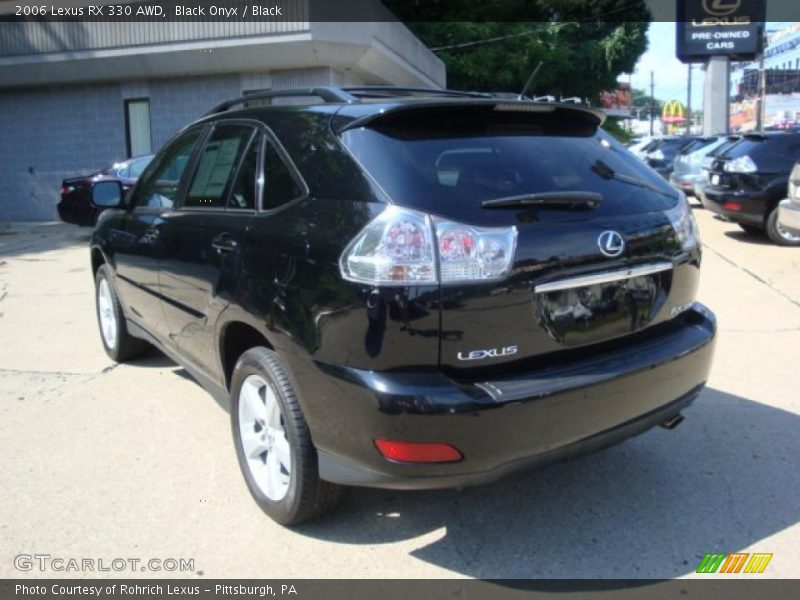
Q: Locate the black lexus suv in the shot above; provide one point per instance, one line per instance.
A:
(407, 288)
(748, 181)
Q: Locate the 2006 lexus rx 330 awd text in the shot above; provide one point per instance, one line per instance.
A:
(407, 289)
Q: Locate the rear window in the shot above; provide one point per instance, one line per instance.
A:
(696, 145)
(724, 147)
(747, 146)
(450, 163)
(772, 153)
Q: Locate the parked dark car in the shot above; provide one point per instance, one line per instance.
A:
(426, 290)
(662, 155)
(76, 207)
(749, 180)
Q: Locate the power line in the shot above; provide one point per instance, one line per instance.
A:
(500, 38)
(488, 40)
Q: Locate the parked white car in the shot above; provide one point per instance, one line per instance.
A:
(789, 209)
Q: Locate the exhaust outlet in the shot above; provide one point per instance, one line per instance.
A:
(672, 422)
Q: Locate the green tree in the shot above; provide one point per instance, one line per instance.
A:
(583, 45)
(640, 101)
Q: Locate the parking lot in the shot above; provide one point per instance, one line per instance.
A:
(136, 460)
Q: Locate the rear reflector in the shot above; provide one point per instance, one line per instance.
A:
(734, 206)
(410, 452)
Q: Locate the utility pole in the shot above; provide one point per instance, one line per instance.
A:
(689, 102)
(652, 102)
(762, 85)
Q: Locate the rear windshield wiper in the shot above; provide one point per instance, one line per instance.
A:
(560, 200)
(607, 172)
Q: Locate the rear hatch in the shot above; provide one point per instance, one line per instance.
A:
(583, 274)
(755, 162)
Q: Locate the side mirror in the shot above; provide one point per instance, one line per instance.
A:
(107, 194)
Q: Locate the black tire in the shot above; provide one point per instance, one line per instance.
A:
(778, 235)
(308, 497)
(752, 229)
(124, 346)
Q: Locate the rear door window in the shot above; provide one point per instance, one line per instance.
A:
(216, 167)
(245, 187)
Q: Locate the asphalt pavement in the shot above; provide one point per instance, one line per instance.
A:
(105, 461)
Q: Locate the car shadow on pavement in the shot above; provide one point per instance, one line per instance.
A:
(156, 359)
(648, 508)
(759, 239)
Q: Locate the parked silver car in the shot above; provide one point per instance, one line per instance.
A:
(789, 209)
(706, 162)
(687, 170)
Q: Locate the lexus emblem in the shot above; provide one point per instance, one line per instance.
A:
(611, 244)
(720, 8)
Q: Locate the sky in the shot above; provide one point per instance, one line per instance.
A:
(671, 75)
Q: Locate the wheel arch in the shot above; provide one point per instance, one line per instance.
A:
(97, 258)
(234, 338)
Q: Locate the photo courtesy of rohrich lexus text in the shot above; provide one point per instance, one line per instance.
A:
(313, 299)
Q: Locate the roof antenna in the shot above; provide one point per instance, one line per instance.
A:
(530, 81)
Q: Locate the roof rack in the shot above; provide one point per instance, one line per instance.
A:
(347, 95)
(326, 93)
(390, 91)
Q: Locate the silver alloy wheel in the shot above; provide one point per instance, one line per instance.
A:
(264, 444)
(105, 308)
(785, 234)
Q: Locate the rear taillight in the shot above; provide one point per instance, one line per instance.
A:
(684, 223)
(407, 247)
(742, 164)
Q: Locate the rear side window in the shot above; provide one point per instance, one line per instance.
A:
(450, 164)
(280, 186)
(216, 168)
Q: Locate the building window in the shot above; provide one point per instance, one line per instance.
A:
(137, 127)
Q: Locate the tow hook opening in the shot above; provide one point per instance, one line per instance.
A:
(672, 422)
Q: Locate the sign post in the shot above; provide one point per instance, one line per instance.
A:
(715, 32)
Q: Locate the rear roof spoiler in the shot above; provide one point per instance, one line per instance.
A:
(498, 104)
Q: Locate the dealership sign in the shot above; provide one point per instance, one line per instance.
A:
(729, 28)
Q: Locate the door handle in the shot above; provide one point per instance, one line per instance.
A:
(224, 243)
(152, 233)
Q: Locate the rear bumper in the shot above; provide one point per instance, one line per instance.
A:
(501, 426)
(76, 213)
(789, 216)
(751, 206)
